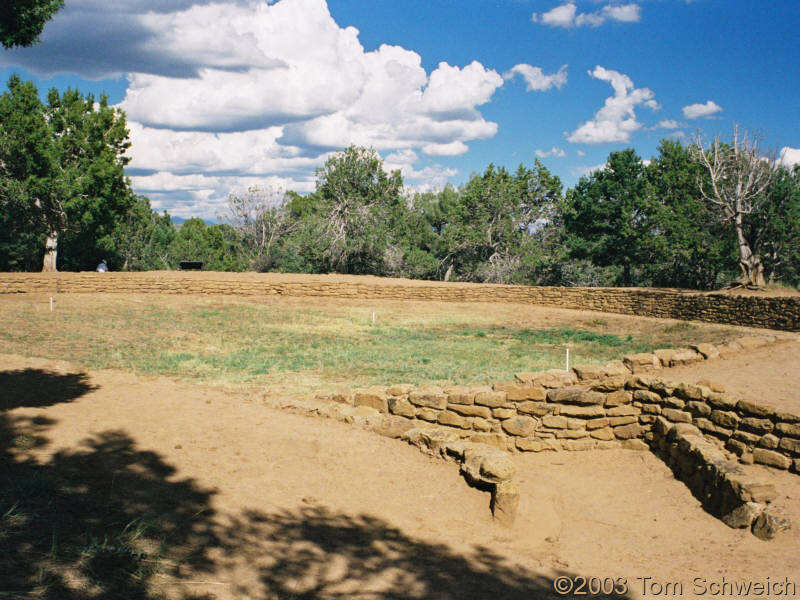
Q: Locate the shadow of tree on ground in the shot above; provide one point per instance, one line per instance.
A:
(110, 521)
(37, 388)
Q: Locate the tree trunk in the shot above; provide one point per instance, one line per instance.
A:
(50, 252)
(449, 272)
(752, 267)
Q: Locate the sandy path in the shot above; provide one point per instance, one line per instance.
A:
(769, 375)
(290, 506)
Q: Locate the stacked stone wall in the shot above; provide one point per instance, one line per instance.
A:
(781, 312)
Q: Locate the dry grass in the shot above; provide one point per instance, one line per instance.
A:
(305, 345)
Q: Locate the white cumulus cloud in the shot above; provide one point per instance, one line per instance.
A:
(567, 15)
(227, 91)
(616, 120)
(696, 111)
(789, 157)
(535, 78)
(555, 151)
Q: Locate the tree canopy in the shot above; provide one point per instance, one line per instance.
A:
(22, 21)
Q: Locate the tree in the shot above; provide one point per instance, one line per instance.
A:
(64, 161)
(22, 21)
(487, 234)
(777, 227)
(262, 221)
(142, 238)
(350, 212)
(739, 176)
(689, 247)
(607, 217)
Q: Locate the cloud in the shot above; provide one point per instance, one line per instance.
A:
(669, 124)
(222, 91)
(696, 111)
(584, 170)
(535, 78)
(554, 151)
(616, 120)
(789, 157)
(567, 15)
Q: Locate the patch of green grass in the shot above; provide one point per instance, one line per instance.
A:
(302, 349)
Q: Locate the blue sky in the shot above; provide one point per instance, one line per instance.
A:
(222, 95)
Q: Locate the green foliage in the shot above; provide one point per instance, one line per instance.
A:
(690, 246)
(22, 21)
(607, 216)
(61, 174)
(215, 245)
(142, 239)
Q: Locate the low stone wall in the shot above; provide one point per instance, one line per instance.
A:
(702, 432)
(781, 313)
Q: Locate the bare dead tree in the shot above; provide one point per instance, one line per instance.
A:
(739, 175)
(261, 219)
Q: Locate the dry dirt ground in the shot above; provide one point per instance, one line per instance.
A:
(266, 504)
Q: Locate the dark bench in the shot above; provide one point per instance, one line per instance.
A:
(190, 265)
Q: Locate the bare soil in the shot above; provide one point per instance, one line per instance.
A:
(258, 503)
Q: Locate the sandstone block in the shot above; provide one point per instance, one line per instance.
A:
(771, 522)
(611, 384)
(519, 426)
(661, 387)
(635, 444)
(673, 402)
(697, 408)
(787, 417)
(651, 409)
(556, 378)
(428, 398)
(692, 392)
(791, 445)
(769, 441)
(643, 362)
(372, 398)
(665, 356)
(626, 432)
(496, 440)
(505, 502)
(431, 439)
(728, 349)
(747, 437)
(757, 425)
(788, 429)
(554, 422)
(748, 488)
(587, 412)
(537, 409)
(579, 445)
(711, 427)
(684, 356)
(428, 414)
(452, 419)
(469, 410)
(605, 434)
(392, 427)
(677, 416)
(402, 407)
(626, 420)
(714, 386)
(481, 424)
(722, 401)
(756, 410)
(623, 411)
(735, 446)
(616, 368)
(707, 351)
(763, 456)
(575, 396)
(400, 389)
(727, 419)
(618, 398)
(487, 465)
(589, 372)
(491, 399)
(503, 413)
(525, 393)
(743, 515)
(459, 395)
(596, 423)
(571, 434)
(646, 397)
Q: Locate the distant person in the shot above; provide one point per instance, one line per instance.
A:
(102, 268)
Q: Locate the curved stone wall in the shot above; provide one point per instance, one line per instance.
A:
(772, 312)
